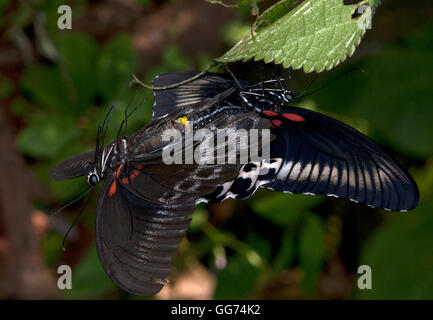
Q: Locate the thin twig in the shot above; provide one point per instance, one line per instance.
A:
(220, 2)
(136, 80)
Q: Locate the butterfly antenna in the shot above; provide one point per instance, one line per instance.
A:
(126, 109)
(302, 95)
(289, 74)
(140, 104)
(234, 78)
(105, 126)
(282, 84)
(52, 215)
(98, 140)
(131, 113)
(107, 117)
(263, 80)
(77, 218)
(308, 86)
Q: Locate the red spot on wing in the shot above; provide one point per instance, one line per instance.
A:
(118, 171)
(113, 189)
(270, 113)
(276, 122)
(139, 167)
(125, 180)
(134, 174)
(293, 117)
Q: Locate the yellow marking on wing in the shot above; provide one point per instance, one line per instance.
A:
(185, 122)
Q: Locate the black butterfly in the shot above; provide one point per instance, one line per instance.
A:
(145, 205)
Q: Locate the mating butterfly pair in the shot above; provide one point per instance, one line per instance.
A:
(145, 205)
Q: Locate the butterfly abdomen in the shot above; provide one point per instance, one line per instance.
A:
(200, 119)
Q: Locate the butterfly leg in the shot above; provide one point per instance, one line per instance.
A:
(238, 84)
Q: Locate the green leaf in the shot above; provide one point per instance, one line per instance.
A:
(46, 88)
(6, 87)
(237, 280)
(89, 280)
(116, 64)
(172, 60)
(274, 12)
(400, 254)
(138, 101)
(46, 137)
(261, 245)
(199, 218)
(400, 110)
(311, 251)
(284, 209)
(316, 35)
(64, 190)
(3, 5)
(233, 32)
(78, 68)
(287, 252)
(394, 102)
(20, 107)
(51, 247)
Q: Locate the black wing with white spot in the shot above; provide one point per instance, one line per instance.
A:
(315, 154)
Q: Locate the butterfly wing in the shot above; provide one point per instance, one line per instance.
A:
(315, 154)
(169, 182)
(207, 86)
(136, 238)
(143, 214)
(73, 167)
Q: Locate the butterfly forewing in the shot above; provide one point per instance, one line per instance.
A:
(73, 167)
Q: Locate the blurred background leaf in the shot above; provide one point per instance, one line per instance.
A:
(115, 66)
(311, 252)
(46, 137)
(89, 271)
(282, 209)
(400, 252)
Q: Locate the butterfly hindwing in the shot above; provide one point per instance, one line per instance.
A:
(136, 238)
(315, 154)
